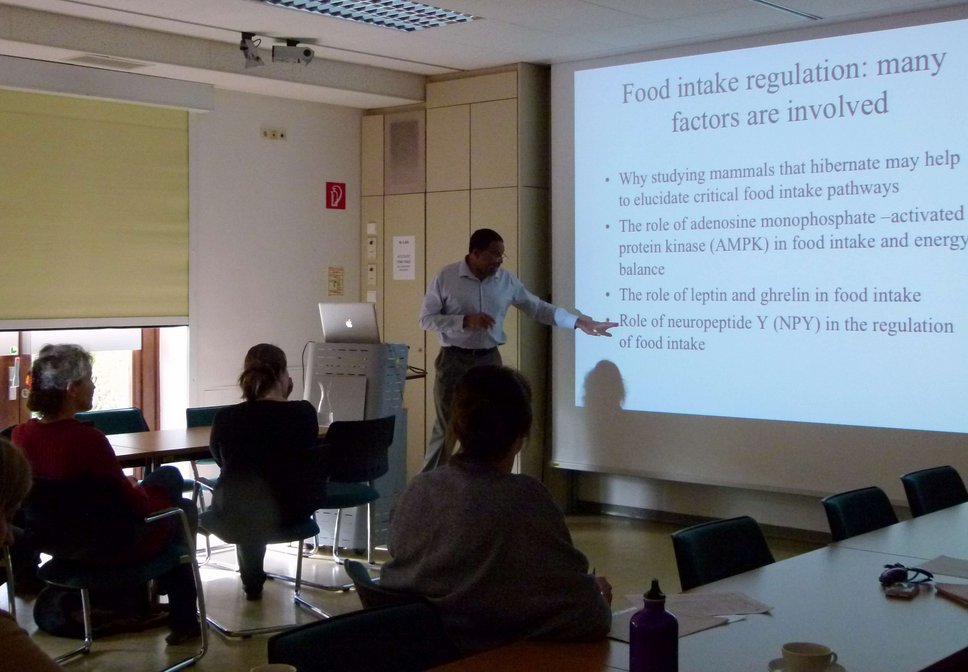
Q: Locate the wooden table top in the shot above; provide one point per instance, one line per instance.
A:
(172, 445)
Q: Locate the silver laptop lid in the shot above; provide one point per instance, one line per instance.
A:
(349, 322)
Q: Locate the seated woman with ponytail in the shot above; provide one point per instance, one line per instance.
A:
(268, 450)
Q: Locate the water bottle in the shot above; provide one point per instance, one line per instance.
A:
(653, 636)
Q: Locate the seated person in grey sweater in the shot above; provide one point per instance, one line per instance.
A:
(490, 548)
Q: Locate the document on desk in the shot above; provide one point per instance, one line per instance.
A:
(687, 624)
(694, 611)
(954, 591)
(947, 566)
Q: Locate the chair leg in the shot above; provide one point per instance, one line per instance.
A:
(85, 648)
(296, 594)
(11, 592)
(335, 554)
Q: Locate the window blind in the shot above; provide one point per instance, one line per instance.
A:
(93, 213)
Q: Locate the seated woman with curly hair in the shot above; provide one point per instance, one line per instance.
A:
(61, 448)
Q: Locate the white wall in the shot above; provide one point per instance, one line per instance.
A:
(261, 237)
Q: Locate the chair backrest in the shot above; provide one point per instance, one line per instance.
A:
(80, 519)
(201, 416)
(933, 489)
(357, 450)
(858, 511)
(404, 638)
(372, 594)
(717, 549)
(116, 420)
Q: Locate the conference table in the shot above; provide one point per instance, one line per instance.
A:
(830, 595)
(943, 532)
(152, 449)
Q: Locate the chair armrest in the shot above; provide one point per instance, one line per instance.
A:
(207, 483)
(184, 528)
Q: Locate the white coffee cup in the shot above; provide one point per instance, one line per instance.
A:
(274, 667)
(807, 657)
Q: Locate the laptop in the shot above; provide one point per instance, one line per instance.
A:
(349, 322)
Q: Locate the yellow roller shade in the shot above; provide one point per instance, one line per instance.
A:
(93, 213)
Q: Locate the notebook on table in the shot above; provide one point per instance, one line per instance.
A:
(349, 322)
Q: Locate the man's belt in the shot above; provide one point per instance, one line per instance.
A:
(470, 351)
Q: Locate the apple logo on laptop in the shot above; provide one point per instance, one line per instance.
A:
(349, 323)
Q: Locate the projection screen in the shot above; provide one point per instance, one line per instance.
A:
(779, 230)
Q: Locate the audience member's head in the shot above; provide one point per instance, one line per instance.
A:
(265, 368)
(60, 373)
(15, 483)
(491, 413)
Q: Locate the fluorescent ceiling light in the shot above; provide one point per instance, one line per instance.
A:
(397, 14)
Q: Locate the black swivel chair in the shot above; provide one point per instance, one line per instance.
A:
(116, 420)
(858, 511)
(74, 521)
(403, 638)
(933, 489)
(718, 549)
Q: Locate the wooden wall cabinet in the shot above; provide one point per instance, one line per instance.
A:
(486, 165)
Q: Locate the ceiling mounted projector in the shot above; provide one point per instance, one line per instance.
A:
(291, 52)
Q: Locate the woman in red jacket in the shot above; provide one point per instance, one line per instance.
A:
(59, 447)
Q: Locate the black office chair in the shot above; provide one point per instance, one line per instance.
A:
(116, 420)
(858, 511)
(933, 489)
(718, 549)
(234, 531)
(403, 638)
(201, 416)
(77, 521)
(372, 595)
(355, 453)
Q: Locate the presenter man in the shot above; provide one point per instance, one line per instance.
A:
(466, 303)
